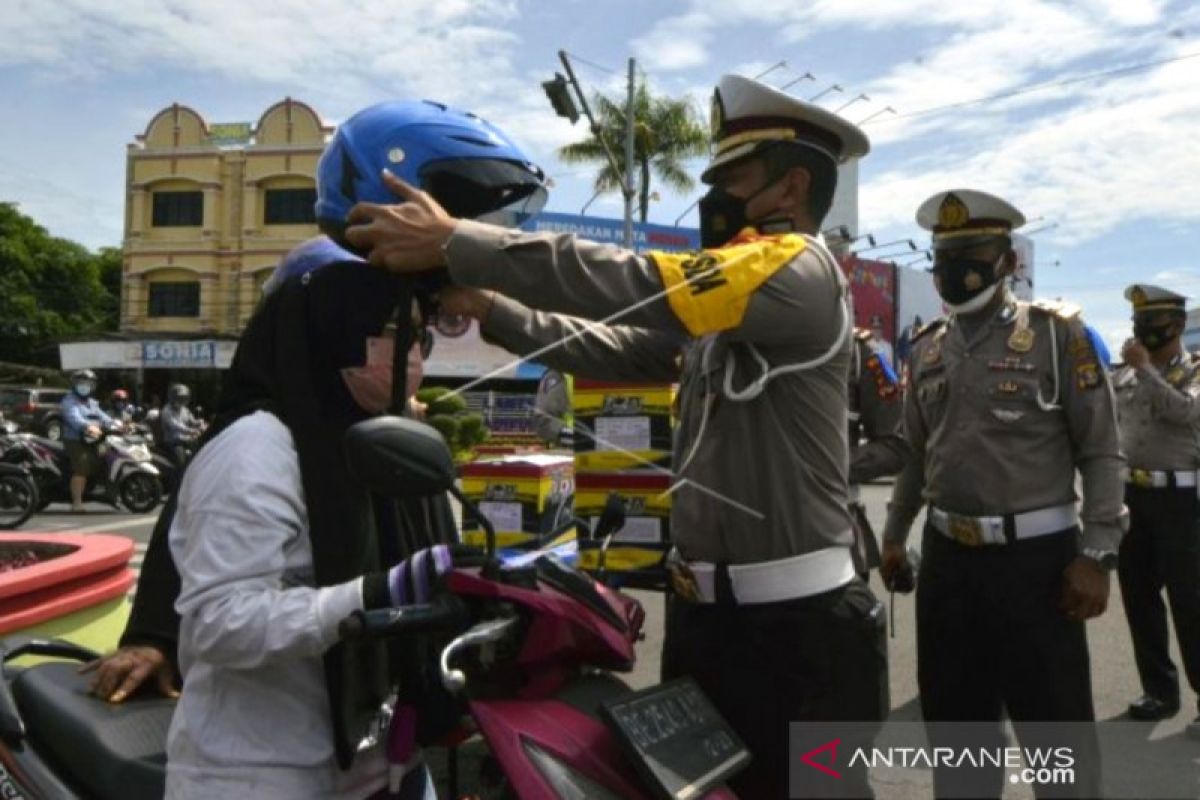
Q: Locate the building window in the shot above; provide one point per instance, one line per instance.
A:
(176, 209)
(175, 299)
(290, 206)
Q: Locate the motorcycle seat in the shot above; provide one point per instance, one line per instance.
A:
(108, 751)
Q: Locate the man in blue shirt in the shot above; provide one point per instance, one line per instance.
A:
(83, 421)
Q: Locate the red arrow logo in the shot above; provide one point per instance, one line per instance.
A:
(832, 747)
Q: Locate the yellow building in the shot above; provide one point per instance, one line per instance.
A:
(209, 211)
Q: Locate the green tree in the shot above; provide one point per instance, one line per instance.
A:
(50, 289)
(666, 133)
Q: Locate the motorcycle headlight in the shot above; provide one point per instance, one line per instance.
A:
(568, 782)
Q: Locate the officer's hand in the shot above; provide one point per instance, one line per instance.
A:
(1135, 354)
(119, 674)
(463, 301)
(1085, 589)
(407, 237)
(894, 560)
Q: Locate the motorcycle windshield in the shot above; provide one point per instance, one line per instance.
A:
(579, 586)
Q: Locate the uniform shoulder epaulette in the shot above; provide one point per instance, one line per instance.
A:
(1057, 308)
(928, 327)
(863, 334)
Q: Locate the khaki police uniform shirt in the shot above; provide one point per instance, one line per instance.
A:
(768, 477)
(1160, 414)
(876, 413)
(982, 443)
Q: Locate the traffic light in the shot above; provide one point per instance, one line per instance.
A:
(559, 93)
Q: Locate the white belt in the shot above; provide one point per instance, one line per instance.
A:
(1159, 479)
(976, 531)
(775, 581)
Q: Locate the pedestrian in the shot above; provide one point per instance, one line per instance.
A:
(1007, 400)
(1157, 397)
(768, 617)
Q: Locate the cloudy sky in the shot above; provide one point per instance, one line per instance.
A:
(1106, 166)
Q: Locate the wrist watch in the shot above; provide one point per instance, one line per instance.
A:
(1106, 559)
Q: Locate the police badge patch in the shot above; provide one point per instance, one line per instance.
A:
(1021, 340)
(1087, 375)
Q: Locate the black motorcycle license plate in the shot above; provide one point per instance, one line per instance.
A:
(676, 738)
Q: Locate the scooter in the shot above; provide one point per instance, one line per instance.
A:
(168, 473)
(126, 477)
(529, 658)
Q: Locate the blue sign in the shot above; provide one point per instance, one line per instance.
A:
(180, 355)
(646, 236)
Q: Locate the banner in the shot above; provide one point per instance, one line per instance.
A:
(646, 235)
(873, 285)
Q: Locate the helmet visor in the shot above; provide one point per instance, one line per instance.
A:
(489, 190)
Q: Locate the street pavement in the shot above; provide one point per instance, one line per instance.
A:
(1114, 677)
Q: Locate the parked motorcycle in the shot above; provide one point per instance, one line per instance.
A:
(19, 498)
(126, 476)
(528, 661)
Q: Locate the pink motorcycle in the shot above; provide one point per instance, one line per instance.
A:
(533, 657)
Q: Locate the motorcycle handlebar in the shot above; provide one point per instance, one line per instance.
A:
(379, 623)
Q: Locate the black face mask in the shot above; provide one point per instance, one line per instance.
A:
(723, 215)
(962, 279)
(1155, 337)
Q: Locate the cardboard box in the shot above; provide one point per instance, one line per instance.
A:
(508, 416)
(621, 425)
(526, 498)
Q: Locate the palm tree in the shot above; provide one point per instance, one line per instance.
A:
(666, 133)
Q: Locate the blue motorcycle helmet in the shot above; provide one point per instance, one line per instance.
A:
(472, 168)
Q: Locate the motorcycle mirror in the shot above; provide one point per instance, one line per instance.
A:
(612, 518)
(399, 457)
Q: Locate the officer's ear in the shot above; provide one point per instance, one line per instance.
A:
(797, 183)
(1008, 265)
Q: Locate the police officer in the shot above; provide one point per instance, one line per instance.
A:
(1157, 391)
(876, 415)
(1007, 400)
(772, 621)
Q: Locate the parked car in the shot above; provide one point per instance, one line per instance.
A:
(34, 409)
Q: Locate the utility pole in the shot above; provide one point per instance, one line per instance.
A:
(556, 91)
(628, 189)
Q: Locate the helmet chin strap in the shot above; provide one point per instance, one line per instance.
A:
(976, 303)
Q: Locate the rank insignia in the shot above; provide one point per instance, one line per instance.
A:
(1087, 375)
(1175, 375)
(1021, 340)
(1008, 387)
(933, 354)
